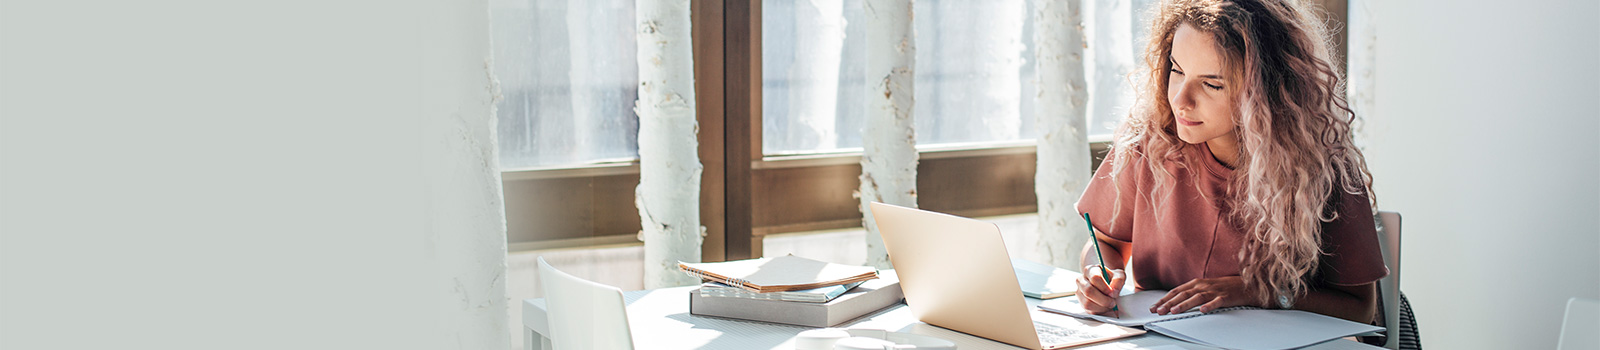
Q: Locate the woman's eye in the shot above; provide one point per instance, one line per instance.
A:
(1213, 87)
(1175, 71)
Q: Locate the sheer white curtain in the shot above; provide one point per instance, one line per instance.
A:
(568, 80)
(974, 74)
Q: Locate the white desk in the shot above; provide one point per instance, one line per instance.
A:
(660, 319)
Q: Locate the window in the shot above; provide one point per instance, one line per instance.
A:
(568, 76)
(974, 72)
(773, 78)
(974, 64)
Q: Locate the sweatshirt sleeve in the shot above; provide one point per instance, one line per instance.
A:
(1112, 216)
(1350, 244)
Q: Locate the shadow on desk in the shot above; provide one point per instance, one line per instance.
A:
(781, 333)
(659, 319)
(733, 334)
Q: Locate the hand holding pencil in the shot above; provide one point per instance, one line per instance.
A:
(1099, 287)
(1097, 295)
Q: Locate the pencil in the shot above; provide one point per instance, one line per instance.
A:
(1096, 241)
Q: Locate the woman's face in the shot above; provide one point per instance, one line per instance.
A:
(1197, 88)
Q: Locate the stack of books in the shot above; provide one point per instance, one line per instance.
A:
(790, 290)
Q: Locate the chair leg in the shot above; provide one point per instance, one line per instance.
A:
(533, 341)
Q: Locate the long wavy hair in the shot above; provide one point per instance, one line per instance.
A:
(1293, 125)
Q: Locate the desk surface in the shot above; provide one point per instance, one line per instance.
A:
(660, 319)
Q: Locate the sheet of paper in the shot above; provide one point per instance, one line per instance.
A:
(1341, 344)
(1127, 346)
(1260, 329)
(1133, 309)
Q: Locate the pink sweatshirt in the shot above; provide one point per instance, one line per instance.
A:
(1189, 241)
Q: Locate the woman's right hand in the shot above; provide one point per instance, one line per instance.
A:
(1097, 295)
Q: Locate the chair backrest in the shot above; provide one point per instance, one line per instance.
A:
(583, 314)
(1389, 286)
(1577, 329)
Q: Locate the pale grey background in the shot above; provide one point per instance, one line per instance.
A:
(235, 175)
(1487, 140)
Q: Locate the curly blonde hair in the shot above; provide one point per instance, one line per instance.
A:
(1293, 125)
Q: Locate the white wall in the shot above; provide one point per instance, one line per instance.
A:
(1487, 141)
(249, 175)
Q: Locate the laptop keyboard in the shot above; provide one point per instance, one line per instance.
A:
(1050, 334)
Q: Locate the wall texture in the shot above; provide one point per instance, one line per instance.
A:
(258, 175)
(1487, 141)
(464, 222)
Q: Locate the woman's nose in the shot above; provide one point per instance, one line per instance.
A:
(1181, 101)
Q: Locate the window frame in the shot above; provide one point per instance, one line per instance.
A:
(592, 205)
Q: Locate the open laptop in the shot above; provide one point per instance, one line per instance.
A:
(955, 274)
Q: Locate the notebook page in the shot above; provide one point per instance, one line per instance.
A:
(1256, 329)
(1132, 310)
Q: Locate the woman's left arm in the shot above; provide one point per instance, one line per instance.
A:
(1358, 303)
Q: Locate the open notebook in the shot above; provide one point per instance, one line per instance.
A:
(1230, 328)
(779, 274)
(1133, 312)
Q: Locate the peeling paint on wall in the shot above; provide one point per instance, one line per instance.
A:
(465, 232)
(889, 156)
(668, 195)
(1063, 169)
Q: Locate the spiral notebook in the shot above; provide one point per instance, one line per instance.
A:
(1240, 327)
(779, 274)
(1134, 310)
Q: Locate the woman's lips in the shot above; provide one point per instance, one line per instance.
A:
(1187, 122)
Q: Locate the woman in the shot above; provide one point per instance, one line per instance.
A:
(1235, 182)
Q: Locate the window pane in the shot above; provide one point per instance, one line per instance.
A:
(568, 77)
(974, 71)
(811, 96)
(974, 68)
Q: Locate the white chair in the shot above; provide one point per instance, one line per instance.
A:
(1577, 329)
(1402, 331)
(584, 314)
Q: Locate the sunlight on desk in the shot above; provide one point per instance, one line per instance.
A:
(660, 319)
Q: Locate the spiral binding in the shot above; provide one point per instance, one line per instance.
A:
(736, 282)
(745, 284)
